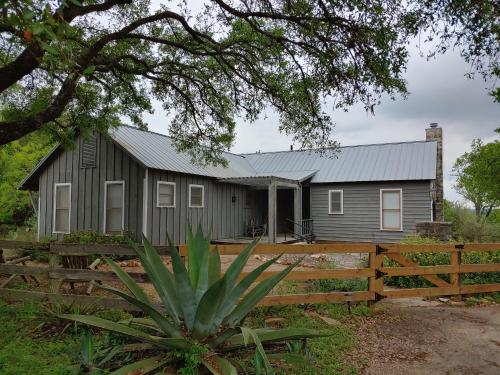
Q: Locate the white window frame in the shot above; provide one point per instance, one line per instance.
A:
(330, 212)
(158, 183)
(54, 208)
(202, 196)
(106, 183)
(400, 229)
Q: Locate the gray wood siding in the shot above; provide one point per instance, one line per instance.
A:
(87, 188)
(361, 218)
(226, 218)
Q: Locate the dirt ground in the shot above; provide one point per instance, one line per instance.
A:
(417, 337)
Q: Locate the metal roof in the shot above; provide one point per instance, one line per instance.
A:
(377, 162)
(157, 151)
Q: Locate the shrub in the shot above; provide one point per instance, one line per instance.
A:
(442, 258)
(89, 237)
(202, 312)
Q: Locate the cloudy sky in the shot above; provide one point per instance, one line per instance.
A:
(439, 92)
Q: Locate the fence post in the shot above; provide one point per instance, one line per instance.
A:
(456, 260)
(376, 282)
(54, 259)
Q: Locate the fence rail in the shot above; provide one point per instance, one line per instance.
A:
(374, 272)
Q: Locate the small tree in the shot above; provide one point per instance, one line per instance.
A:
(478, 176)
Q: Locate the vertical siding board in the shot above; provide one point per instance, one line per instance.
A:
(74, 187)
(125, 171)
(102, 166)
(182, 209)
(133, 198)
(43, 214)
(155, 211)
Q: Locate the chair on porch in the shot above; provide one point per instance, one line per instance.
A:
(255, 230)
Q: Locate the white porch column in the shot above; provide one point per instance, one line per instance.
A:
(271, 212)
(297, 206)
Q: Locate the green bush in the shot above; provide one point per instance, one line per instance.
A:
(89, 237)
(466, 227)
(442, 258)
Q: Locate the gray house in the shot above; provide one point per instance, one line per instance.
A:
(134, 181)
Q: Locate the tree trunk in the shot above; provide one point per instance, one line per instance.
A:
(10, 131)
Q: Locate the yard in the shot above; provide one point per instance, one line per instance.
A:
(407, 336)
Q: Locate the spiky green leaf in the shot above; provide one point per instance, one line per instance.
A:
(214, 268)
(165, 278)
(184, 290)
(125, 278)
(207, 309)
(144, 366)
(160, 320)
(252, 298)
(248, 332)
(273, 335)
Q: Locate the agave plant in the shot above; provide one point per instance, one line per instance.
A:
(200, 307)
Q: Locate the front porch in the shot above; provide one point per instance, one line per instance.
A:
(274, 209)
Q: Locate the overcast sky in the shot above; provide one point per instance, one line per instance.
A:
(439, 92)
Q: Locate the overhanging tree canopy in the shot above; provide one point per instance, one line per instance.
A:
(72, 66)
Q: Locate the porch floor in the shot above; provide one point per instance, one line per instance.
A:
(280, 238)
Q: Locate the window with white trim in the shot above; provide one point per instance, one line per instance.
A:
(196, 196)
(114, 212)
(62, 207)
(391, 214)
(335, 202)
(165, 194)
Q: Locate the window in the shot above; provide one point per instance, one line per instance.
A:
(196, 196)
(165, 194)
(335, 202)
(391, 217)
(62, 208)
(114, 201)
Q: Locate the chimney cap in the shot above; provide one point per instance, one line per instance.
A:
(433, 125)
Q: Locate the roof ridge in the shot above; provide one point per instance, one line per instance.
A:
(332, 148)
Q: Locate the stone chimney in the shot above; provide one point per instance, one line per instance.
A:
(435, 133)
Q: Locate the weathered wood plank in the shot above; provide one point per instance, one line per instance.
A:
(293, 248)
(420, 292)
(419, 270)
(12, 244)
(493, 267)
(14, 295)
(346, 273)
(89, 275)
(99, 249)
(420, 248)
(334, 297)
(479, 288)
(10, 269)
(408, 263)
(481, 247)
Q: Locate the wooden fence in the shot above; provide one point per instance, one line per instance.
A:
(374, 272)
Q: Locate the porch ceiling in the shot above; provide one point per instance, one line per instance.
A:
(265, 179)
(259, 181)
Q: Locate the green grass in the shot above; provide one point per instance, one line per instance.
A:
(327, 355)
(24, 347)
(21, 352)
